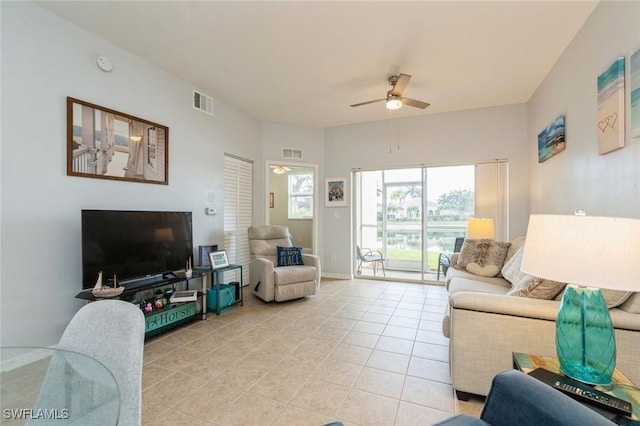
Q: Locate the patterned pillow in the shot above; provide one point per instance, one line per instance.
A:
(288, 256)
(511, 269)
(482, 257)
(536, 288)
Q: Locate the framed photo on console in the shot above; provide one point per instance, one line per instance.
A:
(218, 259)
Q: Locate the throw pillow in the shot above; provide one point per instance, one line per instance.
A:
(511, 269)
(288, 256)
(536, 288)
(482, 257)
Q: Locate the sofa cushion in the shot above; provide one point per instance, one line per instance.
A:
(632, 305)
(294, 274)
(454, 274)
(536, 288)
(482, 257)
(461, 284)
(615, 298)
(288, 256)
(514, 247)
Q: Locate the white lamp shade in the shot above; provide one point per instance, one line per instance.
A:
(591, 251)
(479, 229)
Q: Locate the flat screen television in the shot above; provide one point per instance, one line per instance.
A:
(134, 245)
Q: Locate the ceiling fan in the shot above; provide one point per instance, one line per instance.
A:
(394, 98)
(280, 170)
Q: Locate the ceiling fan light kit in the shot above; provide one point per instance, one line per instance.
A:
(394, 99)
(280, 170)
(394, 102)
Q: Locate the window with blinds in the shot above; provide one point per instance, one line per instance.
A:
(238, 178)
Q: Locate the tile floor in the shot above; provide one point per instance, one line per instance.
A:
(362, 352)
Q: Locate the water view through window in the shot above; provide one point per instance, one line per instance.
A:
(412, 215)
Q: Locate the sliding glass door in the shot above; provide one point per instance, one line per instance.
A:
(412, 215)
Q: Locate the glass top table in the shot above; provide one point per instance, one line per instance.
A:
(52, 386)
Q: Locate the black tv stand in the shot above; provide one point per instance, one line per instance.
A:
(171, 314)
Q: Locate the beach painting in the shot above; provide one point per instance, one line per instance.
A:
(635, 95)
(107, 144)
(551, 140)
(611, 108)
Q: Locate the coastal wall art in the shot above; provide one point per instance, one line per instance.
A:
(611, 107)
(635, 94)
(107, 144)
(551, 140)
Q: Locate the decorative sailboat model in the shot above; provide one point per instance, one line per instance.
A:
(186, 272)
(101, 291)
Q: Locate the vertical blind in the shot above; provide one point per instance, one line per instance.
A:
(238, 189)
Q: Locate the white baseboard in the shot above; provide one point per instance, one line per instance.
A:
(337, 276)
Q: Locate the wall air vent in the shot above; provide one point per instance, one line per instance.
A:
(292, 154)
(202, 102)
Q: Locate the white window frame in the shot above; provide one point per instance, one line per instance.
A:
(292, 195)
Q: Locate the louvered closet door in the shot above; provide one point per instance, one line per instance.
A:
(238, 177)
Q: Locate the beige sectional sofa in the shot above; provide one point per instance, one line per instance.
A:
(485, 325)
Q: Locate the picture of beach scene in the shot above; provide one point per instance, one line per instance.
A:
(551, 140)
(635, 95)
(111, 145)
(611, 108)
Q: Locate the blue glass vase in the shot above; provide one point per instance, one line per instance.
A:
(585, 340)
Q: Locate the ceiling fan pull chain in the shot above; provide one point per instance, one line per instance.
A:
(389, 133)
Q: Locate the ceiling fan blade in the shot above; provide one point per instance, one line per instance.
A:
(414, 103)
(368, 102)
(403, 80)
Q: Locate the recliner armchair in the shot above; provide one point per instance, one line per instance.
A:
(272, 282)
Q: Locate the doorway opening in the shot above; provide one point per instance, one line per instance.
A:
(292, 201)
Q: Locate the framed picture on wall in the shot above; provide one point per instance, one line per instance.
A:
(218, 259)
(336, 192)
(107, 144)
(611, 108)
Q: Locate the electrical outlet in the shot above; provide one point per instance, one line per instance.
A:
(333, 258)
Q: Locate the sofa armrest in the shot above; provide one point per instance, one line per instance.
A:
(313, 260)
(262, 278)
(529, 308)
(505, 305)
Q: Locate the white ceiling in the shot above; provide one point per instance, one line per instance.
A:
(305, 62)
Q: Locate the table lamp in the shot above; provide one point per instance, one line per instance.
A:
(480, 229)
(588, 253)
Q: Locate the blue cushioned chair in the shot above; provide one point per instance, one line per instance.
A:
(518, 399)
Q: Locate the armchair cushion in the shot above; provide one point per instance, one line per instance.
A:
(294, 274)
(288, 256)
